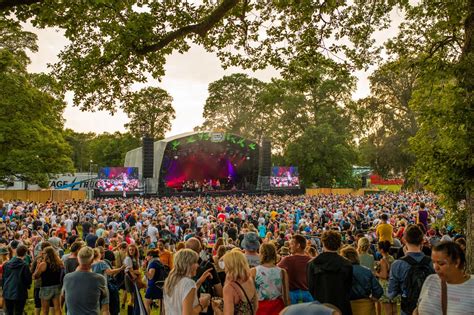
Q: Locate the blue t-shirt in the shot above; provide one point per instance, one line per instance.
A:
(154, 264)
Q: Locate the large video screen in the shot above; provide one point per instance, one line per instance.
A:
(285, 176)
(118, 179)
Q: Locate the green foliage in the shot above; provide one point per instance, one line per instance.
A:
(385, 121)
(234, 105)
(150, 111)
(31, 141)
(324, 154)
(114, 44)
(103, 150)
(443, 144)
(14, 40)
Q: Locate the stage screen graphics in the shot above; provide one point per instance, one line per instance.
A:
(285, 177)
(118, 179)
(210, 161)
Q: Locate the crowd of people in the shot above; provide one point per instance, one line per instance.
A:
(326, 254)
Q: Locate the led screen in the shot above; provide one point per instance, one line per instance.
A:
(118, 179)
(285, 176)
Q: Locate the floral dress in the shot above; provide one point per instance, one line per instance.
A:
(268, 282)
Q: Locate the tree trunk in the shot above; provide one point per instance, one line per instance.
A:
(470, 231)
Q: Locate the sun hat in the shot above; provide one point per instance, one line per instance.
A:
(250, 241)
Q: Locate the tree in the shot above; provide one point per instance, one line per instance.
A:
(324, 152)
(311, 121)
(385, 120)
(80, 143)
(15, 40)
(150, 111)
(114, 44)
(109, 149)
(31, 125)
(103, 150)
(439, 36)
(234, 105)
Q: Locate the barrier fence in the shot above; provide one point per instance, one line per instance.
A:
(43, 195)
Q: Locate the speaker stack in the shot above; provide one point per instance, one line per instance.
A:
(147, 157)
(264, 165)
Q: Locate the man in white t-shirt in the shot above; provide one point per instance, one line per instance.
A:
(68, 223)
(152, 232)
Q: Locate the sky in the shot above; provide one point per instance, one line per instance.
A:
(187, 78)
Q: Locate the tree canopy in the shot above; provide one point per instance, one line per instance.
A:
(150, 111)
(31, 141)
(114, 44)
(234, 104)
(385, 121)
(107, 149)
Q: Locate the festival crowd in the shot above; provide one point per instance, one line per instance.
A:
(326, 254)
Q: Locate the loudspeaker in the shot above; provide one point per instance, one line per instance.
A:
(264, 165)
(147, 157)
(265, 158)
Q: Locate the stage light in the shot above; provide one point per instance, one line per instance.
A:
(248, 157)
(175, 157)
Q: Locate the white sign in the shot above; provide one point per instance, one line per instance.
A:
(217, 137)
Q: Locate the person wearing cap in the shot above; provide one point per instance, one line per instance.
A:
(16, 282)
(251, 244)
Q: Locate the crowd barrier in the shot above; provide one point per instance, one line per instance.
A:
(335, 191)
(43, 195)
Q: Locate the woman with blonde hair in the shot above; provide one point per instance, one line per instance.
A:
(365, 258)
(240, 296)
(180, 290)
(271, 282)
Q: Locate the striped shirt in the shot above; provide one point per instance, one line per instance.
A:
(460, 297)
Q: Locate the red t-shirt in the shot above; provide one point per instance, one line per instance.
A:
(295, 266)
(221, 216)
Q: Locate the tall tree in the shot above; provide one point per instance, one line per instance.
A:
(312, 123)
(150, 111)
(324, 152)
(440, 36)
(114, 44)
(385, 120)
(109, 149)
(80, 144)
(31, 142)
(234, 105)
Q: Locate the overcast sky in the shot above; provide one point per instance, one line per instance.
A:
(187, 78)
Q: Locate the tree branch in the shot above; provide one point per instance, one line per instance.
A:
(200, 28)
(11, 4)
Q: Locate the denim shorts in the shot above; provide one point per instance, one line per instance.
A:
(48, 293)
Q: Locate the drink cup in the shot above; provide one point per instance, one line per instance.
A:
(208, 297)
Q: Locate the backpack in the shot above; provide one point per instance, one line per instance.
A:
(161, 274)
(414, 280)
